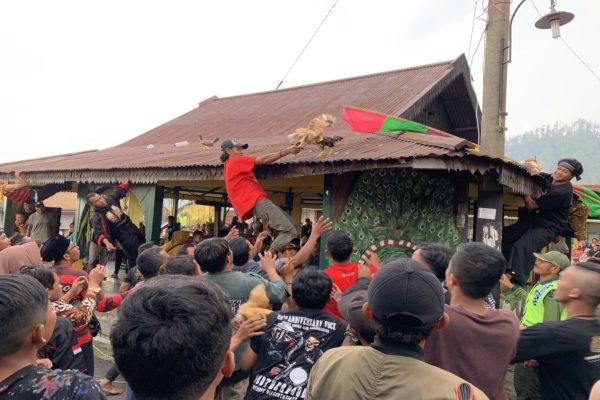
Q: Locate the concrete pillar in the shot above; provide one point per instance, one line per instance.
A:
(493, 118)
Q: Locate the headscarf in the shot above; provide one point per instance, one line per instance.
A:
(15, 257)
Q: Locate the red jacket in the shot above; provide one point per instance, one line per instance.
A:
(344, 276)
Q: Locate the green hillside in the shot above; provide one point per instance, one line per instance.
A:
(548, 144)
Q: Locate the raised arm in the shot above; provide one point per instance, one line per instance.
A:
(20, 184)
(271, 158)
(319, 228)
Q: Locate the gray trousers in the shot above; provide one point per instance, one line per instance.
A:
(279, 220)
(97, 255)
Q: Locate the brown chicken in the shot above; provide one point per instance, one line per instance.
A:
(328, 141)
(257, 304)
(207, 142)
(314, 133)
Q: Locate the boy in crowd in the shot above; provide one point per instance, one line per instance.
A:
(64, 253)
(407, 302)
(568, 352)
(216, 260)
(156, 330)
(479, 343)
(343, 273)
(27, 324)
(293, 340)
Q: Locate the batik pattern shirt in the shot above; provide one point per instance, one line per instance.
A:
(35, 383)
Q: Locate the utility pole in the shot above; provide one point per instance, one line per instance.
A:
(493, 118)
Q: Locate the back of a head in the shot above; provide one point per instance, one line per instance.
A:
(437, 256)
(339, 246)
(55, 248)
(406, 300)
(478, 268)
(41, 273)
(211, 255)
(146, 246)
(158, 326)
(241, 251)
(587, 281)
(180, 265)
(311, 288)
(18, 239)
(23, 305)
(149, 262)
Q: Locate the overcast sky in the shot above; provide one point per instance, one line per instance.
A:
(78, 75)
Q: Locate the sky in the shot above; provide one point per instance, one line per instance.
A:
(79, 75)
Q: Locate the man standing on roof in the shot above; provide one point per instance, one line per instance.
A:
(248, 197)
(546, 217)
(109, 224)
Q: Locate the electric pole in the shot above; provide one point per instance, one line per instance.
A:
(494, 79)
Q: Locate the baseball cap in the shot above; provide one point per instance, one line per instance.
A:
(231, 143)
(554, 257)
(54, 248)
(407, 294)
(350, 306)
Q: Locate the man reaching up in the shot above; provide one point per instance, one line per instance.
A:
(246, 195)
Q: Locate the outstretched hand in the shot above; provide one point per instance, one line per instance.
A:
(291, 150)
(233, 233)
(321, 226)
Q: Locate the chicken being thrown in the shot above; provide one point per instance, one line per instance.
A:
(313, 134)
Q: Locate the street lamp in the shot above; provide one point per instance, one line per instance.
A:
(554, 20)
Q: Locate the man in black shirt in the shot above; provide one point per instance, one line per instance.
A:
(109, 223)
(546, 217)
(568, 352)
(27, 324)
(293, 341)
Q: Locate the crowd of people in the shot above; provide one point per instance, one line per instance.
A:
(230, 321)
(230, 318)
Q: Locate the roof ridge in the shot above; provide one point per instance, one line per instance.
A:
(351, 78)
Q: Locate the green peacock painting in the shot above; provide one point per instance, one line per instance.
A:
(393, 209)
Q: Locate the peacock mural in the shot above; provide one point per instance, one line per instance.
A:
(391, 210)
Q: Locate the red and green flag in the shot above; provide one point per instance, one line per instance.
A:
(590, 198)
(370, 122)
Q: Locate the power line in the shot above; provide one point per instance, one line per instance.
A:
(472, 29)
(309, 40)
(580, 59)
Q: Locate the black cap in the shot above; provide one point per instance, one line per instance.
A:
(406, 292)
(350, 306)
(54, 248)
(231, 143)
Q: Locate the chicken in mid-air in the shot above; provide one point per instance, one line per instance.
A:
(314, 133)
(207, 142)
(328, 141)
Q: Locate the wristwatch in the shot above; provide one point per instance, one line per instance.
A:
(93, 291)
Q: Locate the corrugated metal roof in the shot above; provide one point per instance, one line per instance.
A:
(264, 120)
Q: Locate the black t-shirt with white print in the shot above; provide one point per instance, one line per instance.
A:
(292, 343)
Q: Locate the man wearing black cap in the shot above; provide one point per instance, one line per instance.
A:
(246, 195)
(546, 217)
(407, 302)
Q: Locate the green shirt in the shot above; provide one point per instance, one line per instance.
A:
(238, 286)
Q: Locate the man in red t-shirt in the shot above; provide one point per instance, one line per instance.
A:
(248, 197)
(343, 273)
